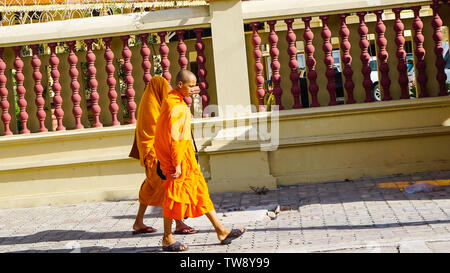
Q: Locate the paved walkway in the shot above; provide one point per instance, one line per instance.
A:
(365, 215)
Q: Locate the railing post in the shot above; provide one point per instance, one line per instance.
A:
(441, 77)
(75, 85)
(38, 89)
(258, 67)
(308, 36)
(93, 84)
(111, 81)
(201, 61)
(383, 55)
(365, 56)
(293, 63)
(56, 87)
(328, 60)
(145, 53)
(164, 51)
(6, 117)
(129, 79)
(22, 102)
(275, 64)
(420, 52)
(182, 60)
(401, 54)
(347, 70)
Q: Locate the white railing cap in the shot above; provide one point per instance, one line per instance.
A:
(105, 26)
(263, 10)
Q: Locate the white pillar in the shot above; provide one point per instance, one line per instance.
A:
(230, 57)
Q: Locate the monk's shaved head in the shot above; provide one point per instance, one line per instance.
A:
(185, 76)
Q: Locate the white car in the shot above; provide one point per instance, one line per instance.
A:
(376, 93)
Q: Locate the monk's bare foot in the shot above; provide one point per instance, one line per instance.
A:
(182, 228)
(142, 228)
(224, 234)
(169, 240)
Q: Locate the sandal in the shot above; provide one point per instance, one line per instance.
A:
(234, 234)
(175, 247)
(144, 230)
(185, 230)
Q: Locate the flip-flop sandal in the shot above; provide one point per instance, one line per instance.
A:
(144, 230)
(175, 247)
(234, 234)
(185, 230)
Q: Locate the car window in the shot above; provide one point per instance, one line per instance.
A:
(373, 65)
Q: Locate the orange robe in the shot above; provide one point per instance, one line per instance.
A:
(186, 196)
(151, 192)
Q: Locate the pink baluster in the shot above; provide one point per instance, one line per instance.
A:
(401, 54)
(344, 32)
(308, 36)
(38, 89)
(75, 85)
(293, 63)
(22, 102)
(6, 117)
(365, 56)
(258, 67)
(145, 53)
(111, 81)
(201, 60)
(182, 60)
(93, 84)
(420, 52)
(441, 77)
(129, 79)
(275, 64)
(164, 51)
(328, 60)
(383, 55)
(56, 87)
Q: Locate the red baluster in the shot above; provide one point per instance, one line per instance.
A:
(93, 84)
(6, 117)
(275, 64)
(129, 79)
(328, 60)
(38, 89)
(441, 77)
(145, 53)
(308, 36)
(75, 85)
(365, 56)
(111, 81)
(164, 51)
(344, 32)
(401, 54)
(383, 55)
(293, 63)
(201, 60)
(420, 52)
(182, 60)
(258, 67)
(56, 87)
(22, 102)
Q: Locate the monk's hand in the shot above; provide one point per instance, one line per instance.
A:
(177, 171)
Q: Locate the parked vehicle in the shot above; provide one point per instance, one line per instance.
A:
(376, 92)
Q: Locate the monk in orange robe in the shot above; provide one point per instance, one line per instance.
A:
(186, 192)
(151, 192)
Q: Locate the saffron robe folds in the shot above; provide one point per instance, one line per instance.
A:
(151, 192)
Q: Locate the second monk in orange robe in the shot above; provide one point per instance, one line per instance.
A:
(151, 192)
